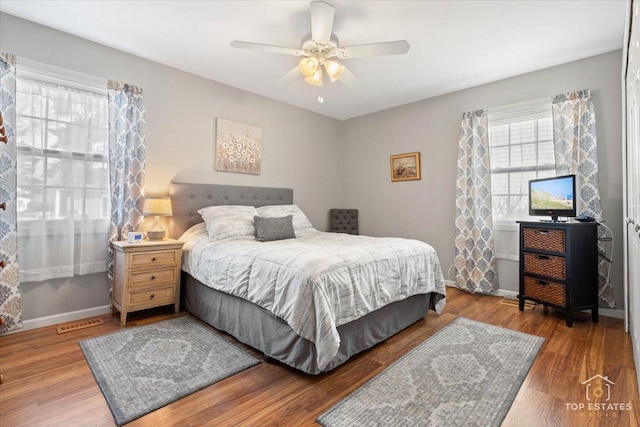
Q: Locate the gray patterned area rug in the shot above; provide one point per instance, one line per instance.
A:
(467, 374)
(143, 368)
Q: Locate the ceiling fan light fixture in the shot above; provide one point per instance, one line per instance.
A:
(315, 79)
(322, 44)
(334, 69)
(308, 66)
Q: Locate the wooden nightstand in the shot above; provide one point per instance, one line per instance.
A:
(146, 275)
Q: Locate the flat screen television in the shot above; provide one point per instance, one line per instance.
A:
(554, 197)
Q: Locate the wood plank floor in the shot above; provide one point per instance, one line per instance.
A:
(48, 382)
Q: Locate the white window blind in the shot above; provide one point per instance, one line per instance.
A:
(63, 181)
(521, 149)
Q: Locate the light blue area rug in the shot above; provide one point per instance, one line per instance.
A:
(467, 374)
(143, 368)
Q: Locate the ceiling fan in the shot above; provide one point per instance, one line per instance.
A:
(320, 48)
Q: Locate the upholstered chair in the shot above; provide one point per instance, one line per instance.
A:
(344, 221)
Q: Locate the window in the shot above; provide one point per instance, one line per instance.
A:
(521, 149)
(63, 198)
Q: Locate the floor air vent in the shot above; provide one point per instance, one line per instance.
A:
(81, 324)
(528, 305)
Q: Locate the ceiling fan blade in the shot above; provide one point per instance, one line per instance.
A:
(399, 47)
(266, 48)
(321, 21)
(289, 77)
(349, 80)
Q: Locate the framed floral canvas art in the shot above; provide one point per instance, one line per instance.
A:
(238, 147)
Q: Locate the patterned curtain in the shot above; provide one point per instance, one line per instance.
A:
(576, 149)
(474, 262)
(126, 163)
(10, 301)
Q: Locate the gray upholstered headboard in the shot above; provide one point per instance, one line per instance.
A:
(187, 198)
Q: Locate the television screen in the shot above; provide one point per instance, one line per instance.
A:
(553, 196)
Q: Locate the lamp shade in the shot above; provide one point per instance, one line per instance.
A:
(308, 66)
(315, 79)
(334, 69)
(160, 206)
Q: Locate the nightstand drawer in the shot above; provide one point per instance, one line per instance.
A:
(152, 259)
(162, 277)
(546, 265)
(151, 298)
(544, 239)
(545, 290)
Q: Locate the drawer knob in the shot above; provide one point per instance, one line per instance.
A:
(152, 296)
(153, 277)
(153, 259)
(542, 282)
(542, 231)
(3, 206)
(3, 263)
(542, 257)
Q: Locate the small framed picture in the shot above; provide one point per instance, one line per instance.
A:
(405, 167)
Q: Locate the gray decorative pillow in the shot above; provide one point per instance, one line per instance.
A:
(268, 229)
(301, 224)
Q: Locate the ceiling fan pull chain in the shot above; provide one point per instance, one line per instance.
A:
(321, 97)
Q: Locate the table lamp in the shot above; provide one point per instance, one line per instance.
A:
(160, 206)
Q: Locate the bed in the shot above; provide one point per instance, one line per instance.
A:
(319, 331)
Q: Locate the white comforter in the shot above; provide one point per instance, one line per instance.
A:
(317, 281)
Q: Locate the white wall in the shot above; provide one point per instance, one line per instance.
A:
(300, 149)
(425, 209)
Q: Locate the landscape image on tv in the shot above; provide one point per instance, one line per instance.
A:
(553, 194)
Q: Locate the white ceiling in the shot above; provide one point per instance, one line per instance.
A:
(454, 44)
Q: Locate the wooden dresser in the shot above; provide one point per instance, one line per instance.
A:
(559, 266)
(146, 275)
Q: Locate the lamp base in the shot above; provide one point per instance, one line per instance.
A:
(155, 234)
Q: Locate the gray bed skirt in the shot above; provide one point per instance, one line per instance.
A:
(267, 333)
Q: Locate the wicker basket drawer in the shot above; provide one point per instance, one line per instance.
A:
(151, 298)
(544, 239)
(546, 265)
(544, 290)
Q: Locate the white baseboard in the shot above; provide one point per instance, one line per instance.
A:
(63, 317)
(609, 312)
(497, 293)
(106, 309)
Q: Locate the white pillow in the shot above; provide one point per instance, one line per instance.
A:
(227, 222)
(301, 223)
(194, 230)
